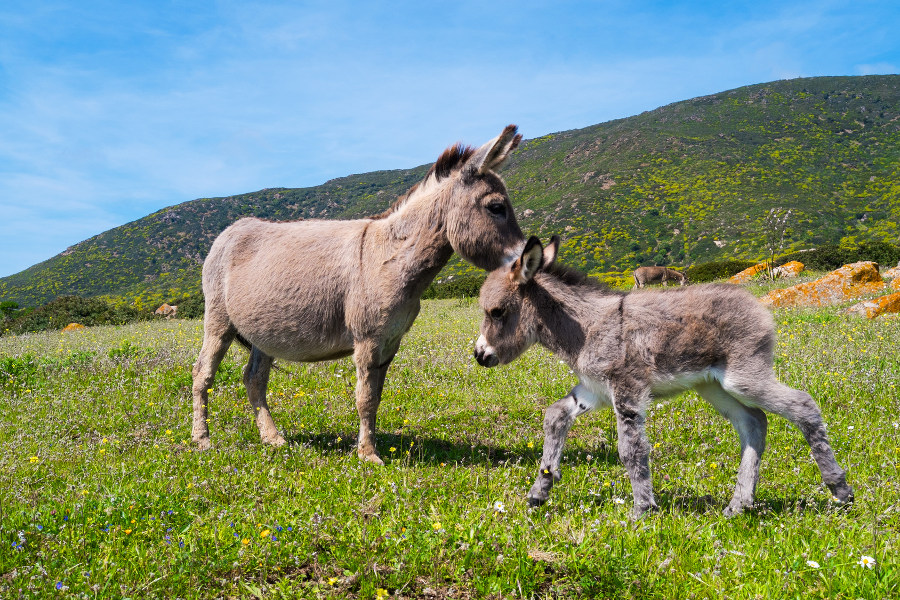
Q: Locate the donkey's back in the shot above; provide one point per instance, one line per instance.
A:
(696, 332)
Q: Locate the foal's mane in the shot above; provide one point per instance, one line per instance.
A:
(451, 159)
(573, 278)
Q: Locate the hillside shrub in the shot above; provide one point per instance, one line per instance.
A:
(461, 286)
(721, 269)
(190, 306)
(73, 309)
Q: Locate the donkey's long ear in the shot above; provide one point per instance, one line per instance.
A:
(490, 156)
(550, 251)
(527, 265)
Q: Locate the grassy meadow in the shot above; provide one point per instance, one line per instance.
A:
(103, 496)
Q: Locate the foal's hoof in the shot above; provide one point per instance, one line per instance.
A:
(842, 494)
(203, 444)
(535, 502)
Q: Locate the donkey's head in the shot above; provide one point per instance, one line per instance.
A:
(509, 327)
(479, 219)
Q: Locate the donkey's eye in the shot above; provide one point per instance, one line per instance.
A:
(497, 208)
(497, 313)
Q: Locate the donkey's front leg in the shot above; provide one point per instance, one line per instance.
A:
(634, 449)
(557, 422)
(370, 374)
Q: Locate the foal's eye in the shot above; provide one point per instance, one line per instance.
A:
(496, 313)
(497, 208)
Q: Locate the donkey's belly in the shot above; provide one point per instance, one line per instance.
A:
(302, 336)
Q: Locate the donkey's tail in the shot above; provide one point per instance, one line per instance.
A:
(249, 348)
(244, 342)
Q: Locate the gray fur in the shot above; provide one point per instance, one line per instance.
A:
(319, 290)
(628, 349)
(663, 275)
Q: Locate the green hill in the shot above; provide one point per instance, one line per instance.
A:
(685, 183)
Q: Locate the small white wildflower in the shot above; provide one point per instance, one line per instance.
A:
(866, 561)
(618, 501)
(812, 563)
(499, 507)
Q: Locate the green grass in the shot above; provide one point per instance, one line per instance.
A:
(102, 495)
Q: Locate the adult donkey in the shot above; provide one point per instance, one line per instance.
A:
(319, 290)
(629, 348)
(645, 275)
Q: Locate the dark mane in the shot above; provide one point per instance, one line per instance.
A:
(451, 159)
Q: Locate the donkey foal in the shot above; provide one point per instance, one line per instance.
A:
(630, 348)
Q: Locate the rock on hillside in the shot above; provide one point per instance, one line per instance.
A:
(848, 282)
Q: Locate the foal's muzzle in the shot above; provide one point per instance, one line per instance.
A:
(484, 353)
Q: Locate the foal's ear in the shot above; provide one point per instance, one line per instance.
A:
(527, 265)
(490, 156)
(550, 251)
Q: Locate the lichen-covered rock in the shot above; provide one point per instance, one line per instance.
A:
(892, 273)
(895, 284)
(73, 327)
(748, 273)
(166, 310)
(877, 306)
(848, 282)
(789, 269)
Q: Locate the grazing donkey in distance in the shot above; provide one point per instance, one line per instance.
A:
(629, 348)
(645, 275)
(317, 290)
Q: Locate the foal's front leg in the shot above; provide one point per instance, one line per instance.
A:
(557, 422)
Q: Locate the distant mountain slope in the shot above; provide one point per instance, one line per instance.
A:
(688, 182)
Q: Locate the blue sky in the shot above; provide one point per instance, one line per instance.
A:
(111, 110)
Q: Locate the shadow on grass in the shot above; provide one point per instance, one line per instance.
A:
(431, 450)
(478, 453)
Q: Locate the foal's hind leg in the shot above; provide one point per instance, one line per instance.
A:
(634, 448)
(764, 391)
(217, 337)
(751, 425)
(256, 379)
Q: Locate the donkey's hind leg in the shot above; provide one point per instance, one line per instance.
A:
(764, 391)
(256, 379)
(217, 337)
(751, 425)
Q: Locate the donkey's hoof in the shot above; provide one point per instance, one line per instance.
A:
(733, 509)
(371, 457)
(203, 443)
(276, 441)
